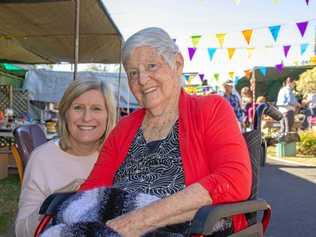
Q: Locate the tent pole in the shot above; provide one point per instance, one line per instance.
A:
(76, 38)
(119, 85)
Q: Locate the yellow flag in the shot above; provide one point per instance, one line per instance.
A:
(220, 38)
(231, 74)
(247, 35)
(195, 40)
(250, 52)
(237, 2)
(231, 52)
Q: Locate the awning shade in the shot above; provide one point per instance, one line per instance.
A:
(41, 32)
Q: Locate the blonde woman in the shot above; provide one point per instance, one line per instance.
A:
(86, 116)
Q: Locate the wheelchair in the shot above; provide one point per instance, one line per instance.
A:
(207, 216)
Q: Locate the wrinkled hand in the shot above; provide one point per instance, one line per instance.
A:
(128, 225)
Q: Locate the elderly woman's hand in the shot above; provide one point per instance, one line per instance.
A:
(128, 225)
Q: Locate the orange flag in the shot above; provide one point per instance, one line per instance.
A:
(231, 52)
(220, 38)
(247, 35)
(248, 73)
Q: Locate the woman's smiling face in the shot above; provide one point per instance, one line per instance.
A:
(87, 118)
(152, 81)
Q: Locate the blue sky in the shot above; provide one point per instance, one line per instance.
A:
(184, 18)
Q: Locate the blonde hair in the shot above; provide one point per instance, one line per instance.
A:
(74, 90)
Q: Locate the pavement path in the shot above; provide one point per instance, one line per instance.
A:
(290, 188)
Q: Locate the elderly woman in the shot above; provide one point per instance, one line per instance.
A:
(86, 116)
(186, 150)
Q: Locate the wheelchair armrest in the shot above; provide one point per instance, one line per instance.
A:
(207, 216)
(52, 202)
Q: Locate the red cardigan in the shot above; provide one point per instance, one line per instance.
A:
(212, 149)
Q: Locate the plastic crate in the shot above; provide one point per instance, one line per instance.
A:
(285, 149)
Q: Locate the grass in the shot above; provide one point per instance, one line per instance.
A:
(303, 159)
(9, 194)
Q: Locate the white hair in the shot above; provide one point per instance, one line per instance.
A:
(155, 38)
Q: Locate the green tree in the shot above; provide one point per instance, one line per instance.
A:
(307, 82)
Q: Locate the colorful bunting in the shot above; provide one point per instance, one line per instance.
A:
(247, 35)
(231, 52)
(303, 48)
(279, 68)
(201, 77)
(263, 71)
(191, 52)
(248, 73)
(211, 52)
(195, 40)
(302, 27)
(307, 2)
(286, 49)
(275, 31)
(220, 38)
(231, 74)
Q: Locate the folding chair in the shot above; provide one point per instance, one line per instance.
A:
(208, 216)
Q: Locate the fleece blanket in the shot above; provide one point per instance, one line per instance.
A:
(85, 214)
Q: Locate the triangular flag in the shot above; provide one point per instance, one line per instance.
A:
(220, 38)
(231, 52)
(211, 52)
(250, 52)
(237, 2)
(286, 49)
(186, 77)
(247, 35)
(216, 76)
(248, 73)
(302, 27)
(201, 77)
(279, 68)
(231, 74)
(235, 80)
(303, 48)
(263, 70)
(191, 52)
(307, 2)
(195, 40)
(275, 31)
(174, 40)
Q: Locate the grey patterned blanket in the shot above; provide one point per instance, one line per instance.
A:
(85, 214)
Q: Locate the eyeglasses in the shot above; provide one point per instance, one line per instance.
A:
(134, 74)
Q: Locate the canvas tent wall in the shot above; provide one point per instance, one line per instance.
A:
(42, 32)
(49, 86)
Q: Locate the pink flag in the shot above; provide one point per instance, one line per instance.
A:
(286, 49)
(302, 27)
(279, 68)
(191, 52)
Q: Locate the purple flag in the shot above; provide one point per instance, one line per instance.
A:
(279, 68)
(307, 1)
(286, 49)
(191, 52)
(201, 77)
(302, 27)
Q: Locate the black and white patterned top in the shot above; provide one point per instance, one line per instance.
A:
(154, 168)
